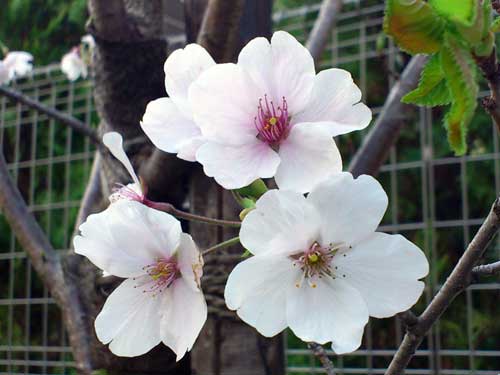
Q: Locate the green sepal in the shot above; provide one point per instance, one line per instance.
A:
(254, 190)
(432, 89)
(415, 26)
(462, 11)
(456, 63)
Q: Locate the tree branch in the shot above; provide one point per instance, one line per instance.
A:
(384, 133)
(486, 270)
(458, 280)
(320, 353)
(318, 37)
(64, 118)
(490, 69)
(46, 262)
(219, 29)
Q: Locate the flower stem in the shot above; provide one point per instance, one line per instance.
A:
(168, 208)
(231, 241)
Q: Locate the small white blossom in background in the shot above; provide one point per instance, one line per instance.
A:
(161, 299)
(133, 191)
(168, 122)
(320, 268)
(16, 64)
(271, 115)
(88, 40)
(73, 66)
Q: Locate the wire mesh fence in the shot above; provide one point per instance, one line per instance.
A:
(437, 200)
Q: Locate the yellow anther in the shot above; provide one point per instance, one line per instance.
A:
(313, 258)
(272, 121)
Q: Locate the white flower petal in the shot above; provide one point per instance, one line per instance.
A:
(335, 100)
(130, 320)
(189, 148)
(73, 66)
(257, 289)
(167, 127)
(184, 314)
(128, 232)
(385, 269)
(234, 167)
(225, 101)
(18, 63)
(190, 261)
(350, 209)
(333, 311)
(114, 142)
(281, 218)
(257, 59)
(293, 70)
(182, 68)
(308, 156)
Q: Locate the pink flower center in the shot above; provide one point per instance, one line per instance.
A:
(162, 273)
(273, 124)
(126, 192)
(316, 262)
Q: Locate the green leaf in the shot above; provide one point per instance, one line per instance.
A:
(432, 88)
(495, 25)
(463, 11)
(456, 64)
(415, 25)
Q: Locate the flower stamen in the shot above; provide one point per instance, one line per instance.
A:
(316, 262)
(272, 123)
(163, 273)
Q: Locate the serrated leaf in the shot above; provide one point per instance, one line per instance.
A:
(456, 64)
(414, 24)
(432, 88)
(463, 11)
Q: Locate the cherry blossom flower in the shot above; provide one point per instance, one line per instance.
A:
(271, 115)
(16, 64)
(73, 66)
(133, 191)
(319, 267)
(168, 122)
(161, 299)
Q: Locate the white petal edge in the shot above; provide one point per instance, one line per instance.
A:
(335, 102)
(184, 314)
(167, 127)
(333, 311)
(350, 209)
(234, 167)
(385, 269)
(308, 156)
(129, 320)
(182, 68)
(280, 218)
(190, 262)
(114, 142)
(257, 290)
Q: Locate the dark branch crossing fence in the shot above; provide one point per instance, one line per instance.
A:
(436, 200)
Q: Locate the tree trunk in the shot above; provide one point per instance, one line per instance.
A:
(226, 345)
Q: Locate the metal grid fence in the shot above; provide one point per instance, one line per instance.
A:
(436, 200)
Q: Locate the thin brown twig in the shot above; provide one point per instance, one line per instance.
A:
(47, 263)
(169, 208)
(458, 280)
(486, 269)
(491, 71)
(63, 118)
(321, 354)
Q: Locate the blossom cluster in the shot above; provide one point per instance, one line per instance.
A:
(317, 264)
(16, 64)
